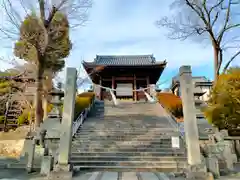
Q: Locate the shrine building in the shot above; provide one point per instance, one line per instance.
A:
(124, 74)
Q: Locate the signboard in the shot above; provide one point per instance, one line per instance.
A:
(175, 142)
(124, 89)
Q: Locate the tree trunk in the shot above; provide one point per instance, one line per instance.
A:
(216, 61)
(38, 97)
(47, 86)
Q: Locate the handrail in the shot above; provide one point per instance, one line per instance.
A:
(176, 123)
(227, 138)
(80, 119)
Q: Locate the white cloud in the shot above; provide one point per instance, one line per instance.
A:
(115, 28)
(119, 27)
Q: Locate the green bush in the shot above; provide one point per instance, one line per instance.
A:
(87, 94)
(81, 104)
(83, 101)
(2, 119)
(223, 108)
(23, 118)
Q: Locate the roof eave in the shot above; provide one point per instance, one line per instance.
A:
(93, 64)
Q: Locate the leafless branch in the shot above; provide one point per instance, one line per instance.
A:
(217, 18)
(14, 11)
(231, 59)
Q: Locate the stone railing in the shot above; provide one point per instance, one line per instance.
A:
(79, 121)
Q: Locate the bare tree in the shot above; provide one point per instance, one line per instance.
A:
(214, 20)
(14, 12)
(44, 39)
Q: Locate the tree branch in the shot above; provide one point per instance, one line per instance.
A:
(225, 26)
(230, 61)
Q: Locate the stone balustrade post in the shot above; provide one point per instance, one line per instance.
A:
(30, 154)
(190, 121)
(68, 117)
(196, 166)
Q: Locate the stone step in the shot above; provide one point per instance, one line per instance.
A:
(104, 132)
(138, 132)
(131, 120)
(163, 168)
(107, 140)
(121, 137)
(123, 147)
(81, 152)
(125, 121)
(110, 151)
(130, 158)
(19, 165)
(127, 163)
(111, 175)
(128, 129)
(91, 138)
(123, 144)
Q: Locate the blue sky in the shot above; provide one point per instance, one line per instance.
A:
(123, 27)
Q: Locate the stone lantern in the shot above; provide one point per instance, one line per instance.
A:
(57, 95)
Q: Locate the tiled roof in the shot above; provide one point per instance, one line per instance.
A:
(128, 60)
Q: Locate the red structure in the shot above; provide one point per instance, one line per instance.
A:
(124, 73)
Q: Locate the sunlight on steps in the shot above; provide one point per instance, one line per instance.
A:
(129, 137)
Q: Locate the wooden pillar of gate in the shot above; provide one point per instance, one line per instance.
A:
(101, 92)
(135, 87)
(113, 84)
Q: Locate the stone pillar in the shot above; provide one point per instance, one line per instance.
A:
(196, 165)
(190, 121)
(68, 117)
(30, 154)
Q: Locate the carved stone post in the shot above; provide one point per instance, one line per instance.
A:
(68, 117)
(190, 123)
(30, 154)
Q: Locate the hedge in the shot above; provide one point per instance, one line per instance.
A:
(83, 101)
(172, 103)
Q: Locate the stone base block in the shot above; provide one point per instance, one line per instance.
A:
(213, 166)
(63, 167)
(47, 165)
(61, 172)
(199, 176)
(197, 168)
(61, 175)
(234, 158)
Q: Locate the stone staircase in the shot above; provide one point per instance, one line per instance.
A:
(12, 115)
(129, 137)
